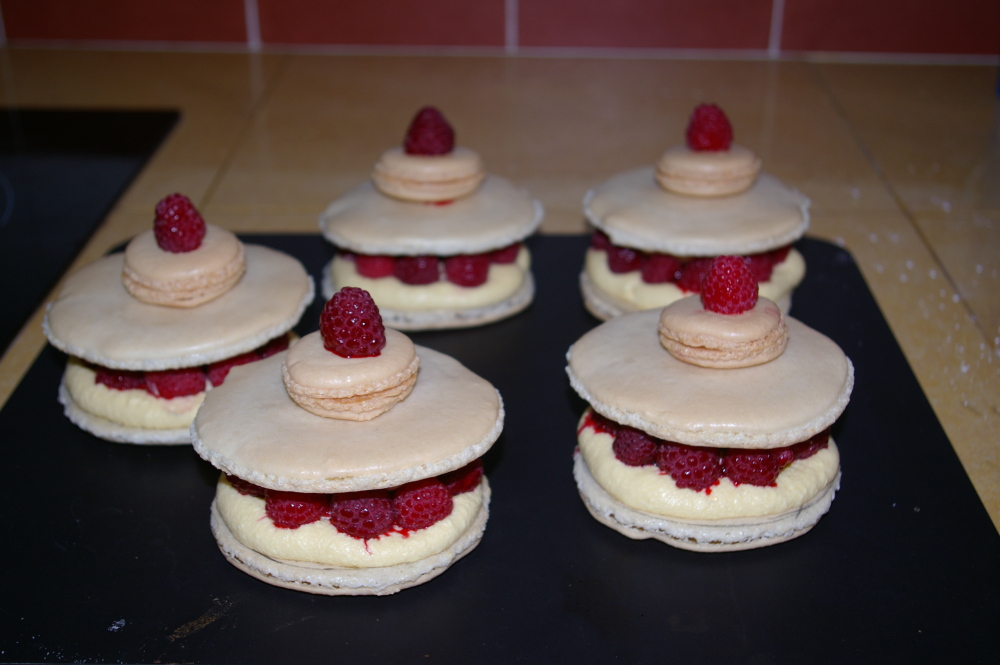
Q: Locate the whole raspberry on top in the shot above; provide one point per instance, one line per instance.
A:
(729, 287)
(178, 227)
(351, 325)
(429, 134)
(709, 129)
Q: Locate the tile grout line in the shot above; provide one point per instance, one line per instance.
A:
(262, 100)
(884, 179)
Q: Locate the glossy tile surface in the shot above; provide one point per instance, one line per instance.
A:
(900, 162)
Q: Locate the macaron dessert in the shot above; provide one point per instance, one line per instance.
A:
(351, 462)
(149, 331)
(708, 425)
(657, 228)
(435, 239)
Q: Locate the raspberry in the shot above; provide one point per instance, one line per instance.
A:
(218, 371)
(245, 487)
(374, 265)
(599, 424)
(119, 379)
(751, 467)
(811, 446)
(178, 227)
(506, 255)
(429, 134)
(366, 514)
(175, 382)
(780, 254)
(661, 268)
(634, 447)
(692, 274)
(417, 269)
(351, 325)
(760, 266)
(465, 479)
(709, 129)
(691, 467)
(276, 345)
(624, 259)
(422, 503)
(467, 269)
(783, 456)
(600, 240)
(290, 510)
(729, 286)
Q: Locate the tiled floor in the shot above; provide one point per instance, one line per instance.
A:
(902, 164)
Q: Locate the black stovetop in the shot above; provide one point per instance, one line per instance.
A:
(61, 172)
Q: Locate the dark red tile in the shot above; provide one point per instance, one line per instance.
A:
(892, 26)
(696, 24)
(149, 20)
(383, 22)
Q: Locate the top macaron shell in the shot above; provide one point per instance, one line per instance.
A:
(96, 319)
(497, 214)
(251, 428)
(635, 211)
(621, 368)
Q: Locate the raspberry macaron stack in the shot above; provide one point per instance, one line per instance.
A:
(657, 228)
(709, 420)
(350, 463)
(436, 240)
(149, 331)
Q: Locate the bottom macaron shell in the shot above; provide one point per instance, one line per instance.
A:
(111, 431)
(441, 319)
(708, 536)
(333, 581)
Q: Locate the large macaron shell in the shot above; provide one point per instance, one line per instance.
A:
(623, 371)
(635, 211)
(96, 319)
(497, 214)
(251, 428)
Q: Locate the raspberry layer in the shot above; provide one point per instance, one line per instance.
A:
(502, 282)
(129, 408)
(626, 292)
(321, 543)
(645, 489)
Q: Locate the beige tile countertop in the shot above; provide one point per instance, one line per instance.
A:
(902, 163)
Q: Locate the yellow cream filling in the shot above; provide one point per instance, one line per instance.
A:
(630, 288)
(131, 408)
(503, 281)
(321, 543)
(644, 488)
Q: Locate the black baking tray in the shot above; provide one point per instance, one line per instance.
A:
(108, 555)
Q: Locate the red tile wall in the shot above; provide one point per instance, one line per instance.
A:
(693, 24)
(380, 22)
(132, 20)
(893, 26)
(887, 26)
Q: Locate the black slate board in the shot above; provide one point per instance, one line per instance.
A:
(108, 555)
